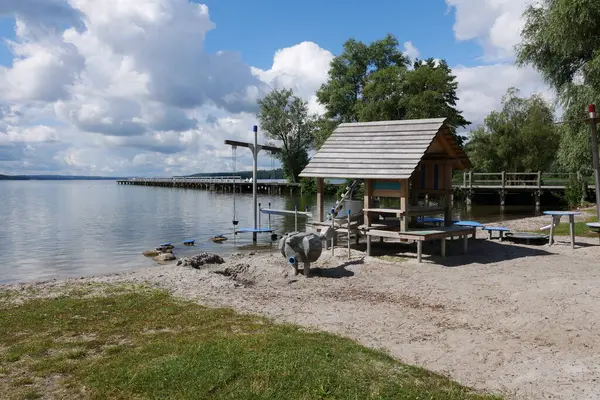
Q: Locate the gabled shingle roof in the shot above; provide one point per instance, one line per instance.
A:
(379, 150)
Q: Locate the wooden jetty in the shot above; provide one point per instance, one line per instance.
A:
(217, 184)
(504, 183)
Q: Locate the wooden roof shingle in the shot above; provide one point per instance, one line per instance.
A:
(380, 150)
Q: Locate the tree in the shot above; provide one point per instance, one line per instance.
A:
(373, 83)
(575, 152)
(285, 117)
(521, 137)
(561, 40)
(430, 92)
(349, 72)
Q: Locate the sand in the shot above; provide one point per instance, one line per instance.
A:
(518, 320)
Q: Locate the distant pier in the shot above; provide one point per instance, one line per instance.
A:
(218, 184)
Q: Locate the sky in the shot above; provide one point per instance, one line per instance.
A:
(154, 87)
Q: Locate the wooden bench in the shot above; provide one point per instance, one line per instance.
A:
(422, 235)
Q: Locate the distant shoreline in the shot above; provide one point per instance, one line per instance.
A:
(56, 178)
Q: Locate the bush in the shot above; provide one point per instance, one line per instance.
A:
(575, 192)
(309, 186)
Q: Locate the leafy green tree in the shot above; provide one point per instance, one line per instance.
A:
(561, 39)
(373, 83)
(521, 137)
(285, 117)
(575, 152)
(430, 92)
(349, 72)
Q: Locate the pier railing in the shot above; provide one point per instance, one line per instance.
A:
(515, 180)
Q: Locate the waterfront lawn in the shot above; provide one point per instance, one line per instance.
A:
(581, 229)
(145, 344)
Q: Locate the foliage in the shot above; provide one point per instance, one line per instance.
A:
(351, 71)
(284, 117)
(575, 152)
(519, 138)
(359, 190)
(116, 347)
(309, 186)
(560, 39)
(575, 191)
(430, 92)
(373, 83)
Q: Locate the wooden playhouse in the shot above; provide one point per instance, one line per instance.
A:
(407, 162)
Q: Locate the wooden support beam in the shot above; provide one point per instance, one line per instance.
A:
(404, 204)
(320, 199)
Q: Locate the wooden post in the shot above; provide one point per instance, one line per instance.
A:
(419, 250)
(295, 218)
(404, 204)
(367, 218)
(334, 233)
(503, 179)
(348, 212)
(539, 180)
(320, 190)
(464, 179)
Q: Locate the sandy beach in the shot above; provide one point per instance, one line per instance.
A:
(513, 319)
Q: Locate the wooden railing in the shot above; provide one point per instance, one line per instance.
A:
(515, 180)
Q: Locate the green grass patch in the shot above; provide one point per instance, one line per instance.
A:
(581, 229)
(145, 344)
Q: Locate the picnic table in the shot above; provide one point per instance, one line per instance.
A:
(556, 216)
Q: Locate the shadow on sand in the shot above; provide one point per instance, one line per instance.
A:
(480, 251)
(338, 272)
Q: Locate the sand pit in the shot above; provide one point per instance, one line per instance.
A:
(515, 319)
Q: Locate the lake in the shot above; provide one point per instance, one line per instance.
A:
(52, 229)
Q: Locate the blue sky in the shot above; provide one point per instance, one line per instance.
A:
(258, 28)
(137, 91)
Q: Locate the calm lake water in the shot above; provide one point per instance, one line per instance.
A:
(54, 229)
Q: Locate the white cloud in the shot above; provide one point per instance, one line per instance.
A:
(45, 13)
(481, 88)
(130, 80)
(125, 87)
(495, 24)
(410, 50)
(303, 68)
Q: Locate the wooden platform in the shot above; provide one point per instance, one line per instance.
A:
(422, 235)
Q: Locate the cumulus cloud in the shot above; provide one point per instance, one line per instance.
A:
(124, 87)
(495, 24)
(47, 13)
(410, 50)
(481, 88)
(303, 68)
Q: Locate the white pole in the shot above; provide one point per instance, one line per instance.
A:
(254, 188)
